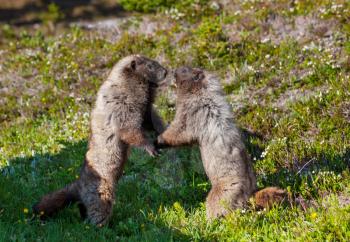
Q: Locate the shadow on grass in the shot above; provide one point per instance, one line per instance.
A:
(301, 170)
(314, 176)
(138, 192)
(147, 185)
(254, 150)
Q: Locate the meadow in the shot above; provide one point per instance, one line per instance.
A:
(284, 65)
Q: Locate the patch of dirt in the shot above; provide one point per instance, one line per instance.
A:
(233, 32)
(344, 200)
(113, 28)
(24, 12)
(301, 28)
(110, 29)
(253, 95)
(296, 95)
(16, 85)
(149, 26)
(16, 4)
(345, 108)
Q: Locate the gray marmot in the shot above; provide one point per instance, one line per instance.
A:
(122, 112)
(204, 117)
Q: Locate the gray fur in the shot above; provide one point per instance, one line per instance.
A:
(204, 117)
(122, 112)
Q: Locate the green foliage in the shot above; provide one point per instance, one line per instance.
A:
(210, 46)
(52, 15)
(145, 5)
(188, 9)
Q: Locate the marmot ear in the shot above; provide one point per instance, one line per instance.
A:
(133, 65)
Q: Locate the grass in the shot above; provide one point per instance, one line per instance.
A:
(289, 92)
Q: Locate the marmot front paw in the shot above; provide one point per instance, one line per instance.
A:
(151, 150)
(160, 143)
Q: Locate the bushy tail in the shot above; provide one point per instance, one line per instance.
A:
(269, 196)
(55, 201)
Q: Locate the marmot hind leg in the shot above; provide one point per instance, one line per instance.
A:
(224, 197)
(98, 200)
(99, 211)
(214, 203)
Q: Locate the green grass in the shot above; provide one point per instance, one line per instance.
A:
(290, 96)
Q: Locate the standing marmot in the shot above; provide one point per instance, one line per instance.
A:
(122, 111)
(204, 117)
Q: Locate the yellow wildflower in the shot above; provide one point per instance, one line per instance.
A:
(177, 207)
(313, 215)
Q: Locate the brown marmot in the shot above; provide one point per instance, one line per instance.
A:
(204, 117)
(123, 110)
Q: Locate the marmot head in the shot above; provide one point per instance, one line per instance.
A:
(145, 69)
(189, 80)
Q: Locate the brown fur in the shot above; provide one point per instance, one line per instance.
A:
(269, 196)
(204, 117)
(122, 112)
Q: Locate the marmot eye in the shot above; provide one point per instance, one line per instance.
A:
(197, 77)
(149, 67)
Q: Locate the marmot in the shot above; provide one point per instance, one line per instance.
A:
(204, 117)
(122, 111)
